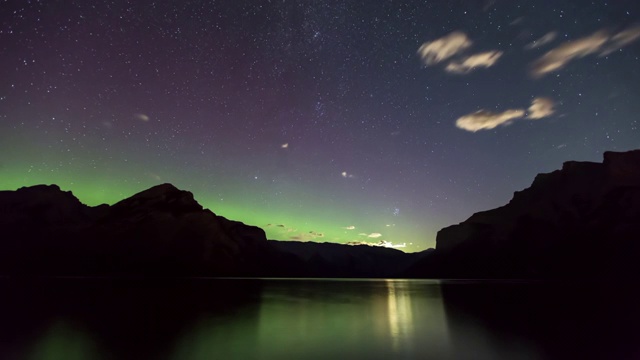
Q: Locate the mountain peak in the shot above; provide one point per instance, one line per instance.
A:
(158, 190)
(163, 196)
(588, 212)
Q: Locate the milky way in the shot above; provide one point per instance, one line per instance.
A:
(350, 122)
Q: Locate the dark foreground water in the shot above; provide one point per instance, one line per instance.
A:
(315, 319)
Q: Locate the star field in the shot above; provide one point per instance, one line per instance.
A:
(341, 121)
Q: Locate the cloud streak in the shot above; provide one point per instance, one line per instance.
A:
(470, 63)
(381, 243)
(544, 40)
(443, 48)
(540, 107)
(601, 42)
(486, 120)
(622, 39)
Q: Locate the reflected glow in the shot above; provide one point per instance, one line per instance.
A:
(62, 340)
(400, 315)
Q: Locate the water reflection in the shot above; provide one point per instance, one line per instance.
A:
(64, 340)
(398, 318)
(315, 319)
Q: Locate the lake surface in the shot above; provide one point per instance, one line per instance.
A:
(316, 319)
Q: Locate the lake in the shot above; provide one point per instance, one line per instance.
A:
(316, 319)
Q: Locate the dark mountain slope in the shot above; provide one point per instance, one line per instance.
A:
(336, 260)
(161, 231)
(580, 221)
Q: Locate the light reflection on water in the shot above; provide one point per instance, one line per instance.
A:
(313, 319)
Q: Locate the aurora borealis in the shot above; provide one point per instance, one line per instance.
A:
(341, 121)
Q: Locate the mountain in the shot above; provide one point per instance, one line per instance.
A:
(582, 221)
(336, 260)
(162, 231)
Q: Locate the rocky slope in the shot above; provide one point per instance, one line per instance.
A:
(580, 221)
(162, 231)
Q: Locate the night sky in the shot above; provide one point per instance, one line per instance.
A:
(354, 121)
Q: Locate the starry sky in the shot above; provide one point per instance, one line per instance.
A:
(342, 121)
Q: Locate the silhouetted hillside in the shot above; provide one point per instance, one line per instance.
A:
(161, 231)
(580, 221)
(336, 260)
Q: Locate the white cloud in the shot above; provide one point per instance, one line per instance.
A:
(540, 108)
(381, 243)
(558, 57)
(622, 39)
(389, 244)
(351, 227)
(466, 65)
(485, 120)
(443, 48)
(141, 117)
(601, 42)
(547, 38)
(285, 145)
(374, 235)
(355, 243)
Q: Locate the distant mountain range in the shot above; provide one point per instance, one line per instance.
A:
(162, 231)
(581, 221)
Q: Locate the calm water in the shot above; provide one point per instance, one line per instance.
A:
(319, 319)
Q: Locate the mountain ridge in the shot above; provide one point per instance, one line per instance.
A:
(557, 227)
(581, 221)
(160, 231)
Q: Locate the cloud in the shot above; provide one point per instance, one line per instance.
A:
(374, 235)
(547, 38)
(347, 175)
(601, 42)
(485, 59)
(560, 56)
(540, 108)
(441, 49)
(350, 227)
(141, 117)
(389, 244)
(381, 243)
(284, 146)
(311, 235)
(485, 120)
(622, 39)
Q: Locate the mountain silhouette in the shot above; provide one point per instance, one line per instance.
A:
(582, 221)
(162, 231)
